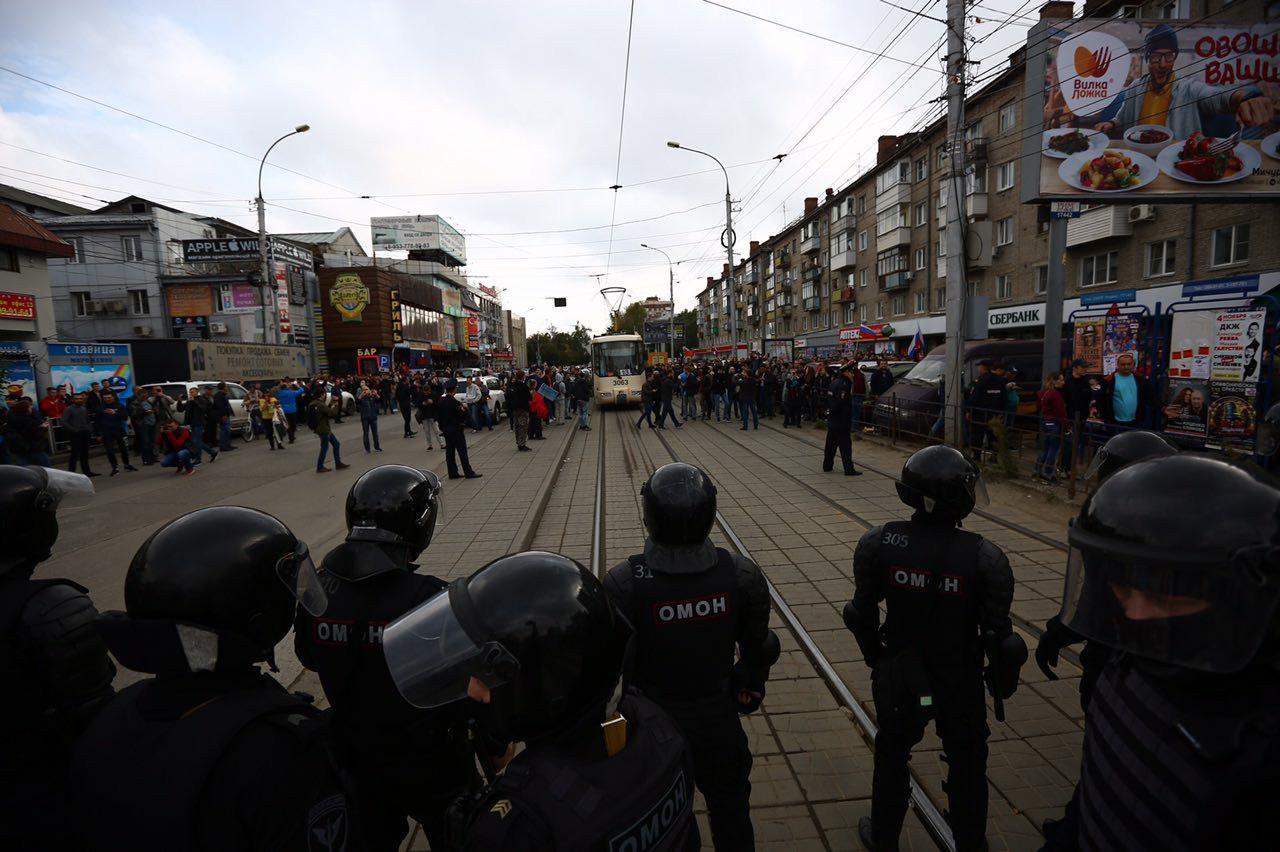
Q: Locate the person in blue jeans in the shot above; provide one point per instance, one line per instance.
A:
(325, 411)
(222, 410)
(579, 389)
(748, 391)
(1053, 421)
(288, 398)
(369, 402)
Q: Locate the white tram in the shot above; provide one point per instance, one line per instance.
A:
(618, 362)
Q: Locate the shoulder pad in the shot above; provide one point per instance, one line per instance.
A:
(870, 540)
(57, 612)
(990, 556)
(748, 571)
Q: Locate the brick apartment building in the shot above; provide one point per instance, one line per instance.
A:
(873, 253)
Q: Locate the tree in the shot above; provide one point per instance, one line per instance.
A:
(562, 348)
(631, 319)
(689, 320)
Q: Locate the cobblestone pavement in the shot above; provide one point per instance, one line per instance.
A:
(812, 772)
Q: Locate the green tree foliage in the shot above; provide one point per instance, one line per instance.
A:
(631, 320)
(562, 348)
(689, 319)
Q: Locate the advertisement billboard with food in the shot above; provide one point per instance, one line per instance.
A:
(1156, 111)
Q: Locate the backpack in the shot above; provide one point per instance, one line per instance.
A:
(312, 417)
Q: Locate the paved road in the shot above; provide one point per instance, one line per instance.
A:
(812, 772)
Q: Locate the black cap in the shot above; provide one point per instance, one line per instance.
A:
(1079, 362)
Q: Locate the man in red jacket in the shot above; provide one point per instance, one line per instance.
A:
(174, 442)
(53, 403)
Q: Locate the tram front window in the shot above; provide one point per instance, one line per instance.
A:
(622, 358)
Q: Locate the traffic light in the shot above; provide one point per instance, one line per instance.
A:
(561, 301)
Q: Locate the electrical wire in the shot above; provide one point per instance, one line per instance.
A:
(622, 123)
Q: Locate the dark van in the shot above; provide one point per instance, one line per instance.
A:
(915, 395)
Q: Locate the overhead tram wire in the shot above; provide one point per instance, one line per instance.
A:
(622, 123)
(111, 172)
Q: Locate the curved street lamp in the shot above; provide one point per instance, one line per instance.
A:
(727, 240)
(264, 255)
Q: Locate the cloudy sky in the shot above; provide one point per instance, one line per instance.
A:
(503, 117)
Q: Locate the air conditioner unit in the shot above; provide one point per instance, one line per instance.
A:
(143, 330)
(218, 327)
(116, 306)
(908, 276)
(1142, 213)
(98, 306)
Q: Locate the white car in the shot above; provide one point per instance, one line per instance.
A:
(236, 395)
(348, 401)
(497, 398)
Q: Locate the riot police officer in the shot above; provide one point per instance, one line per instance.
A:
(53, 664)
(692, 604)
(405, 761)
(1118, 452)
(840, 422)
(947, 594)
(534, 642)
(1175, 565)
(209, 753)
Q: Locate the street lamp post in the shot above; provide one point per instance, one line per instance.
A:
(727, 240)
(671, 286)
(264, 253)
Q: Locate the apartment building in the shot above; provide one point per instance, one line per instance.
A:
(864, 267)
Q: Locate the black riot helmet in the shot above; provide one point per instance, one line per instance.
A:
(1125, 449)
(213, 588)
(679, 505)
(1176, 560)
(536, 628)
(942, 483)
(1269, 431)
(395, 504)
(29, 500)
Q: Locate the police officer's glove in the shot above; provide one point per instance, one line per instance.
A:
(867, 636)
(747, 688)
(1056, 637)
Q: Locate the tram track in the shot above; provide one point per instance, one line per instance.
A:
(929, 813)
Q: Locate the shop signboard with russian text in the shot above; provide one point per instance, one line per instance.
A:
(76, 366)
(17, 306)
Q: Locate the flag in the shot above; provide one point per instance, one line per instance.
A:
(917, 344)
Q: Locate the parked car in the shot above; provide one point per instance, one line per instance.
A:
(915, 395)
(897, 368)
(497, 399)
(236, 395)
(348, 401)
(467, 372)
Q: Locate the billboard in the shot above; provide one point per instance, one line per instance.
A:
(418, 233)
(1142, 111)
(76, 366)
(244, 362)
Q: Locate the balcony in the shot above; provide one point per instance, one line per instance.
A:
(892, 239)
(847, 222)
(848, 294)
(749, 275)
(782, 259)
(812, 273)
(785, 309)
(813, 303)
(843, 260)
(899, 193)
(975, 204)
(1100, 223)
(809, 245)
(975, 150)
(895, 281)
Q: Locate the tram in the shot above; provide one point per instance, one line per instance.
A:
(618, 362)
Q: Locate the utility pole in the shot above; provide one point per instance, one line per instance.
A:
(956, 249)
(728, 241)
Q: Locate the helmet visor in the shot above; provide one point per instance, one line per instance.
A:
(298, 573)
(63, 485)
(1175, 608)
(432, 657)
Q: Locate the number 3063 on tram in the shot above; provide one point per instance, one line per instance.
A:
(618, 361)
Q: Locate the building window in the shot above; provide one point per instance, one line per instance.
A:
(922, 168)
(77, 244)
(922, 213)
(1004, 231)
(899, 305)
(80, 303)
(1008, 117)
(848, 314)
(1042, 280)
(975, 180)
(862, 241)
(862, 313)
(862, 277)
(862, 204)
(922, 258)
(1005, 175)
(880, 309)
(1099, 269)
(131, 247)
(972, 289)
(1230, 245)
(1161, 257)
(8, 260)
(942, 156)
(1004, 287)
(922, 301)
(139, 303)
(892, 219)
(940, 299)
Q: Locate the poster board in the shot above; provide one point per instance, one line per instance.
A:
(1087, 346)
(1120, 337)
(76, 366)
